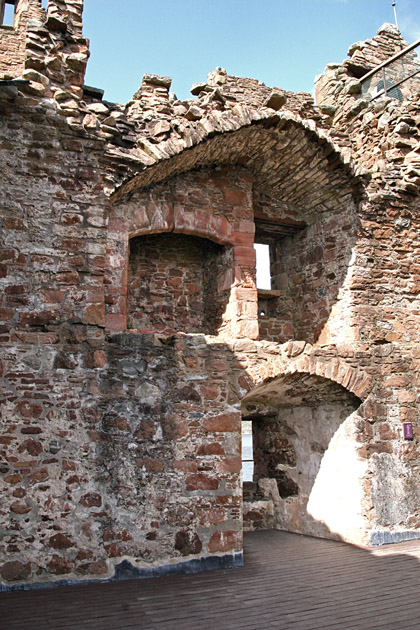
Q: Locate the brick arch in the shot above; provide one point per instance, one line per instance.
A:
(308, 417)
(153, 217)
(297, 357)
(255, 138)
(337, 370)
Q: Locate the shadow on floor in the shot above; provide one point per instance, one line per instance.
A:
(288, 581)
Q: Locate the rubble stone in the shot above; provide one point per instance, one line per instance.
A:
(134, 338)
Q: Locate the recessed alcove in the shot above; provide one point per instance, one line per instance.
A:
(177, 283)
(305, 453)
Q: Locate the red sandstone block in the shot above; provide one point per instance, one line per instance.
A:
(406, 396)
(91, 499)
(221, 229)
(234, 196)
(29, 410)
(13, 223)
(54, 297)
(7, 255)
(246, 225)
(60, 541)
(135, 224)
(243, 239)
(117, 227)
(162, 220)
(200, 481)
(245, 256)
(15, 570)
(150, 464)
(224, 423)
(60, 566)
(99, 358)
(33, 447)
(6, 314)
(185, 465)
(18, 507)
(13, 478)
(231, 465)
(95, 314)
(225, 541)
(212, 516)
(115, 323)
(209, 392)
(245, 294)
(386, 432)
(214, 448)
(69, 277)
(74, 244)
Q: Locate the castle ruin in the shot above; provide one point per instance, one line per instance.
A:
(134, 339)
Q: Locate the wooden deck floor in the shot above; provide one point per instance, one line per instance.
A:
(288, 581)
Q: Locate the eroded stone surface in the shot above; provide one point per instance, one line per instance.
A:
(132, 329)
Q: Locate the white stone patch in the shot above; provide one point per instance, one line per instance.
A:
(148, 394)
(336, 498)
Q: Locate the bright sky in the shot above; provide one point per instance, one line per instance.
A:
(283, 43)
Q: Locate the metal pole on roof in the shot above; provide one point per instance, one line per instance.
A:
(395, 13)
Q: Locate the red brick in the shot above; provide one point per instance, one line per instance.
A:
(224, 423)
(224, 542)
(200, 481)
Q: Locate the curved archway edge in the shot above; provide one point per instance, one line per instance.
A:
(297, 357)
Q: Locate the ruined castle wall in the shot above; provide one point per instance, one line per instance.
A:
(120, 436)
(213, 204)
(13, 40)
(309, 269)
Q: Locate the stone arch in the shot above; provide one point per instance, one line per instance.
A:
(253, 138)
(275, 162)
(299, 357)
(337, 370)
(169, 218)
(151, 215)
(310, 474)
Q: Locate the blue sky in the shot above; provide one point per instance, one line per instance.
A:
(283, 43)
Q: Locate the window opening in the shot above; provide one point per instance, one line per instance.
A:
(247, 451)
(9, 13)
(263, 266)
(44, 4)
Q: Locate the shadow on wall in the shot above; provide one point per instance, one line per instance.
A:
(175, 283)
(308, 269)
(306, 436)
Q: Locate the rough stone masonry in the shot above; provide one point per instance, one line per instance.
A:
(134, 340)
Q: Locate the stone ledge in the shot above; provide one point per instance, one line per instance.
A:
(267, 294)
(386, 537)
(125, 570)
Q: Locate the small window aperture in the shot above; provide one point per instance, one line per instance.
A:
(247, 451)
(7, 12)
(262, 251)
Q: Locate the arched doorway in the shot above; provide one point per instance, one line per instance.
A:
(308, 476)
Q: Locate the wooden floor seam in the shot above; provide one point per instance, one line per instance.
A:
(288, 582)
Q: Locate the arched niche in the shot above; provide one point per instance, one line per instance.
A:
(177, 283)
(306, 440)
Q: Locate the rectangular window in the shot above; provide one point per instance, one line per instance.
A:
(247, 452)
(262, 251)
(8, 13)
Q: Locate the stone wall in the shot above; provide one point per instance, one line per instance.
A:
(173, 284)
(132, 333)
